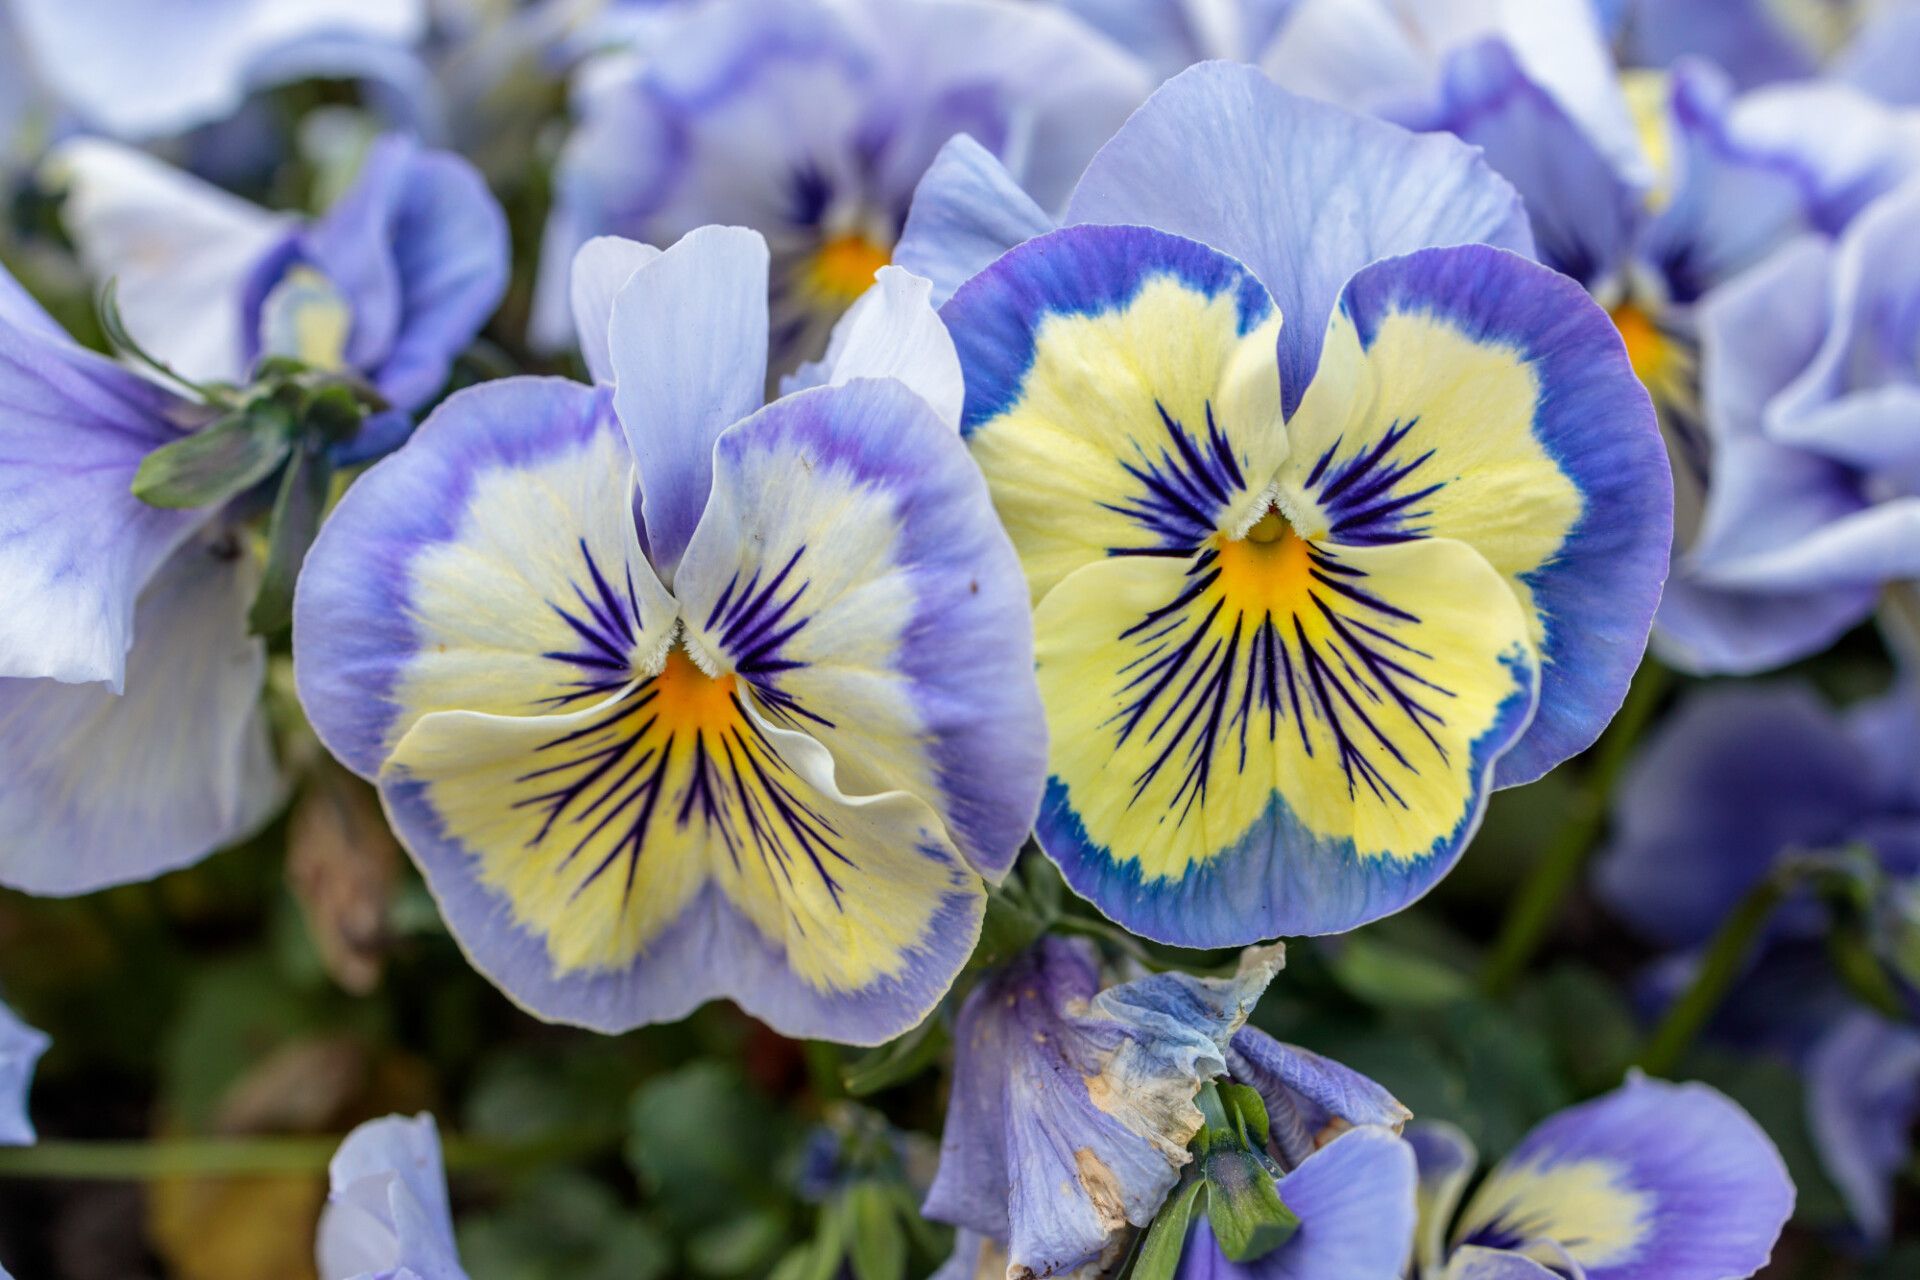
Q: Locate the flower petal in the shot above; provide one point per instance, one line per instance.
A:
(1309, 1099)
(1121, 394)
(892, 331)
(1474, 1262)
(177, 249)
(1447, 1160)
(1263, 741)
(601, 269)
(850, 570)
(1863, 1092)
(387, 1207)
(688, 344)
(1304, 193)
(76, 546)
(1072, 1107)
(490, 565)
(1467, 393)
(967, 211)
(20, 1050)
(104, 789)
(1653, 1180)
(626, 863)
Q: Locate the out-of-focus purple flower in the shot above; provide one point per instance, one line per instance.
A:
(1654, 1181)
(1739, 777)
(131, 735)
(392, 282)
(1812, 390)
(811, 121)
(1871, 45)
(140, 70)
(386, 1216)
(20, 1050)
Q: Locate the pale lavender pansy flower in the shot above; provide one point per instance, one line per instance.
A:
(386, 1216)
(20, 1050)
(811, 121)
(140, 70)
(1073, 1104)
(1871, 44)
(131, 735)
(1654, 1181)
(674, 697)
(392, 282)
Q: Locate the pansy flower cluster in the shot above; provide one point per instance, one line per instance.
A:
(655, 543)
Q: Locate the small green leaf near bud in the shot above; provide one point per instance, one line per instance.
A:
(304, 489)
(221, 460)
(1158, 1255)
(1243, 1204)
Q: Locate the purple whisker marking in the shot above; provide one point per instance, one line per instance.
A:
(609, 626)
(1510, 1229)
(1184, 489)
(1364, 497)
(755, 623)
(1209, 672)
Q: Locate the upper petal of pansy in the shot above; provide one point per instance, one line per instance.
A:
(76, 546)
(1747, 37)
(850, 570)
(1274, 737)
(177, 249)
(1355, 1201)
(892, 331)
(1447, 1160)
(104, 789)
(1302, 192)
(1468, 393)
(1121, 394)
(1072, 1107)
(1653, 1180)
(20, 1049)
(601, 268)
(967, 211)
(387, 1208)
(1310, 1100)
(492, 565)
(1863, 1092)
(688, 345)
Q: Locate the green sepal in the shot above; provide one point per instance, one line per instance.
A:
(221, 460)
(1246, 1112)
(301, 502)
(1157, 1257)
(1243, 1204)
(878, 1244)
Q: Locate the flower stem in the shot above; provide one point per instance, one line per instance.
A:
(1537, 905)
(164, 1158)
(1725, 960)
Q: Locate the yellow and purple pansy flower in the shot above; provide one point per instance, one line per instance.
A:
(676, 697)
(1295, 616)
(1654, 1181)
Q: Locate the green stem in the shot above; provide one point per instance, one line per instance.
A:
(1537, 905)
(1725, 960)
(260, 1156)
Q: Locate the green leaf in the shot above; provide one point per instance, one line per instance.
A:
(1007, 930)
(1159, 1254)
(223, 459)
(739, 1245)
(879, 1241)
(1387, 976)
(830, 1242)
(897, 1061)
(1243, 1204)
(297, 510)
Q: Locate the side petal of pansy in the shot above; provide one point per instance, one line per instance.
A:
(1310, 1099)
(76, 546)
(491, 565)
(1121, 395)
(600, 270)
(1072, 1107)
(106, 788)
(967, 211)
(891, 331)
(1468, 393)
(1654, 1181)
(1302, 192)
(850, 571)
(20, 1050)
(1447, 1160)
(1355, 1201)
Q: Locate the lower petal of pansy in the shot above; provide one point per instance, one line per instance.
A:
(106, 788)
(625, 863)
(491, 565)
(1277, 736)
(1476, 1263)
(850, 570)
(1651, 1180)
(1122, 394)
(1468, 393)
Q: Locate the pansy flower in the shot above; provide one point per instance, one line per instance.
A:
(387, 1213)
(1654, 1181)
(1291, 615)
(811, 121)
(1073, 1106)
(673, 696)
(20, 1050)
(392, 282)
(131, 735)
(1760, 42)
